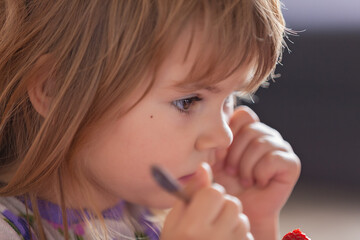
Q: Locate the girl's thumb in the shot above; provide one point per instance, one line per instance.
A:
(203, 178)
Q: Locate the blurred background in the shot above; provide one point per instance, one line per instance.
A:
(315, 105)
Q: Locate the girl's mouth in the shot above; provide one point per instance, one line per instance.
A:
(186, 178)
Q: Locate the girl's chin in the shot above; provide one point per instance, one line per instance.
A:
(162, 203)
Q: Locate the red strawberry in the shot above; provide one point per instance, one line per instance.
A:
(295, 235)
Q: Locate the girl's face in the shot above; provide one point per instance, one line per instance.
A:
(170, 127)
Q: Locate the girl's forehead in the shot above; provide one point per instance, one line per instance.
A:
(175, 77)
(184, 66)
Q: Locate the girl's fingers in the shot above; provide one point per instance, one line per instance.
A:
(240, 143)
(242, 116)
(243, 228)
(220, 155)
(229, 212)
(254, 153)
(175, 215)
(232, 220)
(211, 214)
(202, 179)
(249, 236)
(281, 166)
(205, 204)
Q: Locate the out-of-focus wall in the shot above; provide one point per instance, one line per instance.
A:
(322, 14)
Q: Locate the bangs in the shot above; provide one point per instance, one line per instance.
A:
(231, 34)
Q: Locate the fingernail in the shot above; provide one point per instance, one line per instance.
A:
(218, 187)
(207, 167)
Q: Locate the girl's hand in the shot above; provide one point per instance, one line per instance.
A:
(259, 167)
(210, 215)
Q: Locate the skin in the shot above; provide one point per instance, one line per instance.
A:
(250, 159)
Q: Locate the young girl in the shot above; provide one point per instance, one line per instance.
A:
(93, 93)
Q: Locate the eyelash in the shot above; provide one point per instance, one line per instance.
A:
(190, 101)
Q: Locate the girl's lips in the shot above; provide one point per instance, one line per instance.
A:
(186, 178)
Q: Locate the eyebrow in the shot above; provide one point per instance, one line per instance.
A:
(187, 88)
(212, 89)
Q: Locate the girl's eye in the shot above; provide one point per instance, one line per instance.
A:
(184, 105)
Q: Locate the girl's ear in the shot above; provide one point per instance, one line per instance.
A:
(39, 84)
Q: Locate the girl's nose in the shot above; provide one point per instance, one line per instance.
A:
(215, 134)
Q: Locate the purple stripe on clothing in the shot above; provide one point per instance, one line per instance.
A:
(152, 231)
(20, 224)
(52, 212)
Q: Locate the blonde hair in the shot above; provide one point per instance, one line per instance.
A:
(99, 52)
